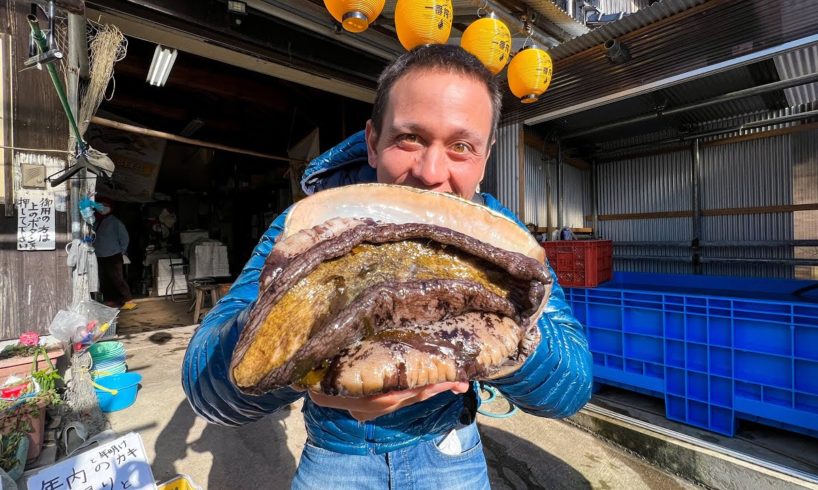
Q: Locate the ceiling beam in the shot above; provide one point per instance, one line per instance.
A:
(150, 31)
(316, 19)
(195, 79)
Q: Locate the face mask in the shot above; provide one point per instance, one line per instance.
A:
(104, 210)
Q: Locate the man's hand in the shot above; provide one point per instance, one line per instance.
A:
(372, 407)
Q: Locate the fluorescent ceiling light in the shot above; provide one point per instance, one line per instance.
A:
(161, 65)
(237, 7)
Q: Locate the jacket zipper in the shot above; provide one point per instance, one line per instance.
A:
(369, 429)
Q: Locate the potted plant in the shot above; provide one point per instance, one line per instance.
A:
(13, 450)
(17, 359)
(26, 412)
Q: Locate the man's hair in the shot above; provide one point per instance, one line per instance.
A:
(443, 57)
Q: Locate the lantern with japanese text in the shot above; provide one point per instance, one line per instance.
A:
(355, 15)
(420, 22)
(529, 74)
(490, 41)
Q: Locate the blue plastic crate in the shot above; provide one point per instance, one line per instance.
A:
(731, 351)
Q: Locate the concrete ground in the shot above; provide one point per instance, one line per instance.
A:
(524, 452)
(155, 314)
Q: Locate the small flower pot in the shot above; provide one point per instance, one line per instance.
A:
(21, 366)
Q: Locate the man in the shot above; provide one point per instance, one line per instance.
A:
(110, 246)
(432, 127)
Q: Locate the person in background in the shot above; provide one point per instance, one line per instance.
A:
(111, 247)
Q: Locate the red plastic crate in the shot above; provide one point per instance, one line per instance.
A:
(581, 263)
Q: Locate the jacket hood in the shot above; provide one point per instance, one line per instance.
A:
(345, 163)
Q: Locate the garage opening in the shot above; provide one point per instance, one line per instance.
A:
(205, 162)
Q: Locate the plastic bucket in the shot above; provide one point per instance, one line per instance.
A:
(126, 385)
(103, 351)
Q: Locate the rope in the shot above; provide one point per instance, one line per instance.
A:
(493, 395)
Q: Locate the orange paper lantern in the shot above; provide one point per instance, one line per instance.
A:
(420, 22)
(529, 74)
(355, 15)
(490, 41)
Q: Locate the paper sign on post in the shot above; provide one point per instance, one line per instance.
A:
(116, 465)
(36, 227)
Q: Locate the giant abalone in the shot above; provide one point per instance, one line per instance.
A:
(373, 288)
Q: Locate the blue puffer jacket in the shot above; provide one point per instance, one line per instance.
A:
(555, 381)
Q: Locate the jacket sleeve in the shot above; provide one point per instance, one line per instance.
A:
(556, 379)
(122, 237)
(207, 359)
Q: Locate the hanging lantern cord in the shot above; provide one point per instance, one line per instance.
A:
(483, 10)
(529, 29)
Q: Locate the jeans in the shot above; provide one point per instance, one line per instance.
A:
(423, 466)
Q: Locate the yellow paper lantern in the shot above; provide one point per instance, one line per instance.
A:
(355, 15)
(529, 74)
(420, 22)
(490, 41)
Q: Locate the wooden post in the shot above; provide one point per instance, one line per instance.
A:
(521, 170)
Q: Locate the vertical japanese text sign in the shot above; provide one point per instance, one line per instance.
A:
(36, 227)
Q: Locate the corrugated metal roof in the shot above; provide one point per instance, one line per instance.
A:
(557, 16)
(797, 63)
(669, 51)
(630, 23)
(626, 6)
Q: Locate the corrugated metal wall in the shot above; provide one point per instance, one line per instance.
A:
(502, 181)
(645, 185)
(744, 175)
(537, 187)
(776, 171)
(541, 192)
(805, 191)
(502, 178)
(577, 200)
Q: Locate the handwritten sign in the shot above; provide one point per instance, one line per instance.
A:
(116, 465)
(36, 221)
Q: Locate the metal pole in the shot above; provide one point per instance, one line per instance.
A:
(560, 187)
(76, 39)
(548, 189)
(740, 94)
(720, 260)
(717, 132)
(696, 206)
(569, 8)
(594, 199)
(101, 121)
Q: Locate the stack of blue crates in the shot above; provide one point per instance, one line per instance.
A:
(716, 349)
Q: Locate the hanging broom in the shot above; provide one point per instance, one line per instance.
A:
(89, 159)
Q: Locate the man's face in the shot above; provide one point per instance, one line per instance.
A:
(435, 133)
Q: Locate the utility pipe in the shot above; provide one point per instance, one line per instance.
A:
(740, 94)
(188, 141)
(753, 125)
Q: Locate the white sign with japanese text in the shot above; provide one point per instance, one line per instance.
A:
(36, 226)
(117, 465)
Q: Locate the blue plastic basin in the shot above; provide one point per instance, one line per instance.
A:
(126, 385)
